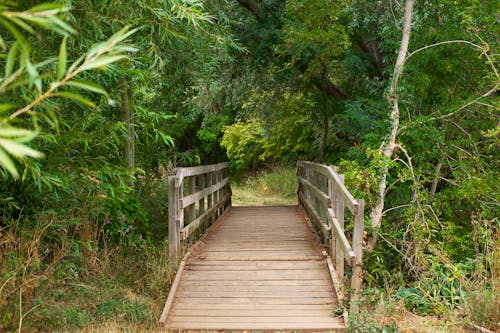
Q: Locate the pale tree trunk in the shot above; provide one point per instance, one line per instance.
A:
(128, 119)
(388, 148)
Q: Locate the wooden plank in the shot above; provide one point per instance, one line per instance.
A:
(255, 300)
(253, 294)
(269, 320)
(256, 275)
(321, 282)
(246, 288)
(252, 306)
(250, 257)
(193, 171)
(326, 312)
(272, 265)
(244, 326)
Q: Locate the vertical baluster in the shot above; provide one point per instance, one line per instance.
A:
(331, 195)
(191, 211)
(209, 183)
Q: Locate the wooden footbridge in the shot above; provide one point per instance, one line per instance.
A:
(261, 268)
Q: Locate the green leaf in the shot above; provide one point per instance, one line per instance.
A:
(6, 107)
(75, 97)
(14, 132)
(34, 77)
(18, 149)
(49, 7)
(88, 85)
(62, 60)
(7, 163)
(102, 61)
(21, 24)
(2, 43)
(11, 58)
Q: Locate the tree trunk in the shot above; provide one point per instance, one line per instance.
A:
(388, 148)
(324, 139)
(128, 119)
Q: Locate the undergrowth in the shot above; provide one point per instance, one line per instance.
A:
(105, 261)
(50, 283)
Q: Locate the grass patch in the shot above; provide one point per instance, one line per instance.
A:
(276, 186)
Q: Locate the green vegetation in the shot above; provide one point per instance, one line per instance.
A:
(276, 186)
(100, 100)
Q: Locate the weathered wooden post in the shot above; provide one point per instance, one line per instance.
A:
(173, 227)
(357, 241)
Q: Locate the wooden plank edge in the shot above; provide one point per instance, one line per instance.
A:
(173, 290)
(337, 286)
(180, 270)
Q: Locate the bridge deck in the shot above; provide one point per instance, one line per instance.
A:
(258, 269)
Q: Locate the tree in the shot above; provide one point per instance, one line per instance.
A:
(389, 147)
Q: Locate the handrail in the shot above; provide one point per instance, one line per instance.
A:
(323, 196)
(197, 196)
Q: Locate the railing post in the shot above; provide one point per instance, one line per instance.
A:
(357, 240)
(209, 183)
(339, 212)
(173, 227)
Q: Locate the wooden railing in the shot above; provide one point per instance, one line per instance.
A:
(323, 196)
(197, 196)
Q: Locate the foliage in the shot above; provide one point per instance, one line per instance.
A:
(243, 143)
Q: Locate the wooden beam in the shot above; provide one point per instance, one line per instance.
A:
(194, 171)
